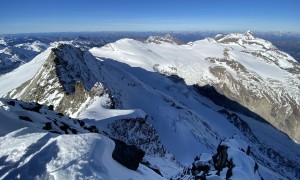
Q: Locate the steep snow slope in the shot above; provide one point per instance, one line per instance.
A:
(245, 69)
(29, 151)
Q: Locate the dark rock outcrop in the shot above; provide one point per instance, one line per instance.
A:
(220, 158)
(25, 118)
(127, 155)
(45, 118)
(222, 164)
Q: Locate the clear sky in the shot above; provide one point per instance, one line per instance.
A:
(25, 16)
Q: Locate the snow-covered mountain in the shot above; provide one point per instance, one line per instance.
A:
(70, 80)
(14, 54)
(68, 75)
(16, 51)
(189, 107)
(245, 69)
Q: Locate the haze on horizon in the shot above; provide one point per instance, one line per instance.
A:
(33, 16)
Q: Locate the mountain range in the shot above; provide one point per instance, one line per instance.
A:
(224, 107)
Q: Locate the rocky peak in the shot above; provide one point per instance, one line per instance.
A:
(248, 33)
(72, 65)
(66, 80)
(159, 39)
(246, 40)
(219, 36)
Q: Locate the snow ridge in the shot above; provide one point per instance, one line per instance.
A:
(39, 143)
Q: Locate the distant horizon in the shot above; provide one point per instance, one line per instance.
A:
(35, 16)
(166, 31)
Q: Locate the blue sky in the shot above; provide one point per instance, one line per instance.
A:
(24, 16)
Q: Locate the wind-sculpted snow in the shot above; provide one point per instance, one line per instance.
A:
(30, 154)
(38, 143)
(17, 114)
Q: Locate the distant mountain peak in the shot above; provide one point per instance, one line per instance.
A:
(159, 39)
(246, 40)
(219, 36)
(14, 55)
(249, 32)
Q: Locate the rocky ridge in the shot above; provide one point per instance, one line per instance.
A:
(66, 80)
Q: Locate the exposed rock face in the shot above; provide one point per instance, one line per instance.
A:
(276, 101)
(281, 110)
(66, 80)
(138, 132)
(127, 155)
